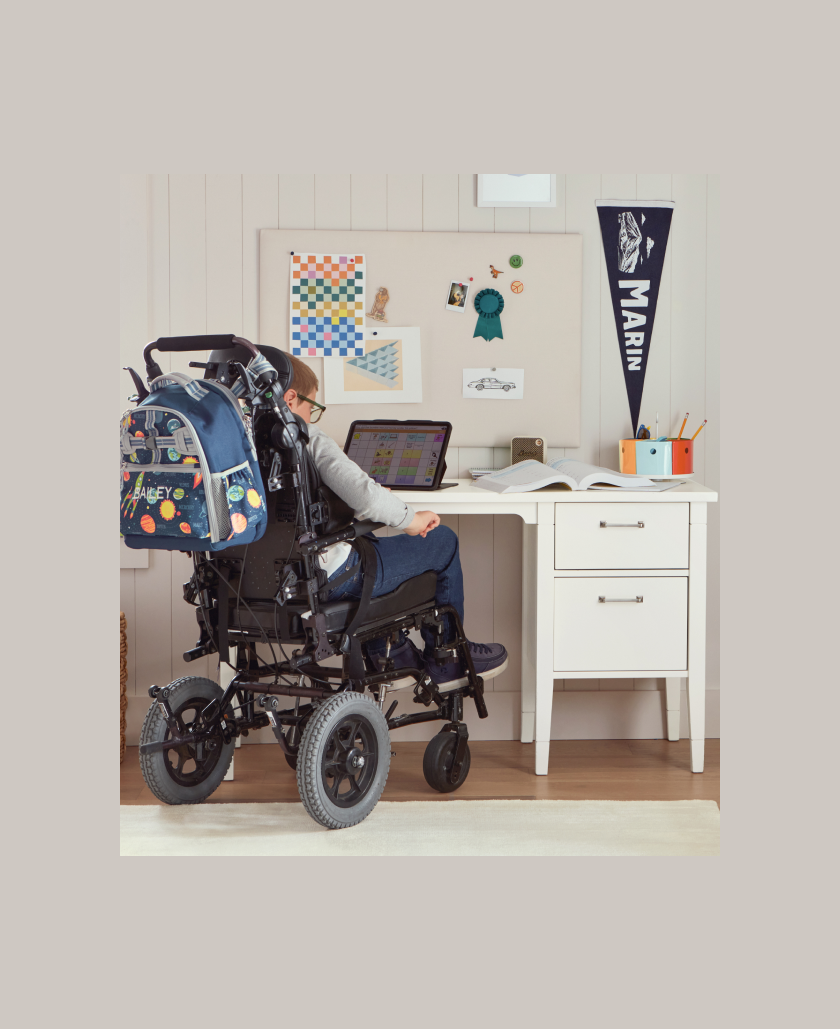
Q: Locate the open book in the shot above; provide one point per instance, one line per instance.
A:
(566, 473)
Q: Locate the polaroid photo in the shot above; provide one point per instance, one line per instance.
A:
(457, 298)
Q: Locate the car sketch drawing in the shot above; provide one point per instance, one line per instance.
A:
(491, 384)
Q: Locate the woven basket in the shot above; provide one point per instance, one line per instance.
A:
(123, 680)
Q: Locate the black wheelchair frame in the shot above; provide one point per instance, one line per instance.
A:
(270, 593)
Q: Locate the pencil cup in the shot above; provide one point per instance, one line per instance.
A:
(653, 457)
(627, 456)
(682, 456)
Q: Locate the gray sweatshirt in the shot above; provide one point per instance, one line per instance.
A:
(368, 499)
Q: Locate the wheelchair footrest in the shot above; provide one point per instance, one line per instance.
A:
(478, 696)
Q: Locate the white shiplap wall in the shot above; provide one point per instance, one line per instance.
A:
(190, 264)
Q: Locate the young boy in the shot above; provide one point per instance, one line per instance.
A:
(426, 546)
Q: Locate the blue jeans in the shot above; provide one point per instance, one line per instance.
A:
(403, 557)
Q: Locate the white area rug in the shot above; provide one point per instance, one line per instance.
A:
(434, 828)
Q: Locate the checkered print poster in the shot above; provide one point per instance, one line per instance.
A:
(328, 305)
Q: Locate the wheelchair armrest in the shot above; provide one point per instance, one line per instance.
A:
(363, 528)
(350, 533)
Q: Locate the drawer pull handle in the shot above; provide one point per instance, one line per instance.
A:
(621, 600)
(622, 525)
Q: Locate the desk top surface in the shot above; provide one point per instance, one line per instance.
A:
(468, 493)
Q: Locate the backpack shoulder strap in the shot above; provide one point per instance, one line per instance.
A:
(189, 384)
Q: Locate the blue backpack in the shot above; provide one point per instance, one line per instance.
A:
(189, 477)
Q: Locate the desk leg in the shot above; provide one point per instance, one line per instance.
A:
(696, 688)
(544, 629)
(672, 707)
(529, 635)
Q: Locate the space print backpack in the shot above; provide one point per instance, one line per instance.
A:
(189, 477)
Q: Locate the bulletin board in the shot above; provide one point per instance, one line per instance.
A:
(541, 324)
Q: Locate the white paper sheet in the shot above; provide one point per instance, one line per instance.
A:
(388, 372)
(494, 384)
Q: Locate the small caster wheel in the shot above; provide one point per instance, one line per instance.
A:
(438, 759)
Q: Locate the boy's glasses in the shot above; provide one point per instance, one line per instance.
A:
(317, 409)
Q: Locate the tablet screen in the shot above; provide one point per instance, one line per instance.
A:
(398, 455)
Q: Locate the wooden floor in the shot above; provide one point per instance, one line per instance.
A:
(578, 770)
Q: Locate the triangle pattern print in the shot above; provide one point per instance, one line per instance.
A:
(381, 365)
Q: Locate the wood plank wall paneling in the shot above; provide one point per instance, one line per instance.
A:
(712, 430)
(190, 264)
(260, 200)
(158, 278)
(369, 202)
(332, 202)
(224, 258)
(614, 421)
(405, 203)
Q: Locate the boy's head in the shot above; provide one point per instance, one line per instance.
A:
(304, 384)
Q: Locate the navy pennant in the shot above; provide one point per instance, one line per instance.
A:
(635, 236)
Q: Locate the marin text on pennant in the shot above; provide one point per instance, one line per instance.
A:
(635, 235)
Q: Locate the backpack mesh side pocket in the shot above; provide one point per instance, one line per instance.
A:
(217, 496)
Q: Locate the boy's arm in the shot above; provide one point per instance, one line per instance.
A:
(355, 487)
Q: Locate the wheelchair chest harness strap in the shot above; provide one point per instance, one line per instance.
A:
(349, 644)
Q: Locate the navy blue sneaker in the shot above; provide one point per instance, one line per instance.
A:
(404, 656)
(489, 660)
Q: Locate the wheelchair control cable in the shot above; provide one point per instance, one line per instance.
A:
(264, 639)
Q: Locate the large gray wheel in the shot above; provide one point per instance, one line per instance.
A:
(343, 760)
(190, 773)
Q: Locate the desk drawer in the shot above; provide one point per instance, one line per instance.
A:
(609, 535)
(620, 633)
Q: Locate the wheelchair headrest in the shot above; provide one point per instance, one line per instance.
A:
(227, 376)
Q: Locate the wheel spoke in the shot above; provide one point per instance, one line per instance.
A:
(339, 778)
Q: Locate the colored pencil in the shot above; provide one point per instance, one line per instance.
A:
(683, 425)
(695, 434)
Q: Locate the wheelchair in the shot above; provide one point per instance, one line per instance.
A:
(316, 684)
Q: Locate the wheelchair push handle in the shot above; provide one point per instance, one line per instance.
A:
(351, 533)
(185, 344)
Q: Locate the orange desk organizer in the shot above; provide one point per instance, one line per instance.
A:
(682, 456)
(627, 456)
(673, 457)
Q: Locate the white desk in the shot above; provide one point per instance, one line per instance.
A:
(580, 583)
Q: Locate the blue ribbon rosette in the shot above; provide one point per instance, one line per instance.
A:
(489, 304)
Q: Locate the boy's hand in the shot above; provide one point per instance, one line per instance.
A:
(421, 523)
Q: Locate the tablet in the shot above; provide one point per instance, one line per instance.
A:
(404, 455)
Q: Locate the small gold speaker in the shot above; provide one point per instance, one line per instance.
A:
(527, 448)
